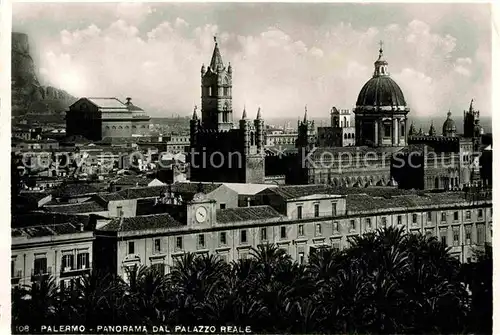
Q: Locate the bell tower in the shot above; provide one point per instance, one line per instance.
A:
(216, 93)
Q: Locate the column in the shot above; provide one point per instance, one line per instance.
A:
(394, 131)
(380, 132)
(375, 138)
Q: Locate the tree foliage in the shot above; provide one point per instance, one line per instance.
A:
(385, 282)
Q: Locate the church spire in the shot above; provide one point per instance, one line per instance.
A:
(258, 114)
(216, 61)
(195, 115)
(244, 116)
(471, 106)
(305, 114)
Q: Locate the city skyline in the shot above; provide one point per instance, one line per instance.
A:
(282, 61)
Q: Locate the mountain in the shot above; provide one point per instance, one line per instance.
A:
(30, 99)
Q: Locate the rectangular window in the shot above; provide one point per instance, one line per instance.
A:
(222, 206)
(479, 213)
(456, 236)
(352, 225)
(318, 229)
(467, 215)
(40, 266)
(387, 130)
(443, 233)
(414, 218)
(400, 219)
(119, 211)
(468, 234)
(301, 258)
(201, 241)
(131, 248)
(222, 238)
(334, 209)
(455, 216)
(178, 242)
(480, 234)
(67, 263)
(157, 245)
(263, 234)
(299, 212)
(429, 216)
(283, 232)
(443, 216)
(301, 230)
(243, 236)
(335, 226)
(316, 210)
(82, 261)
(368, 223)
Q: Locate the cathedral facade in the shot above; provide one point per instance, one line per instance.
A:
(382, 151)
(219, 151)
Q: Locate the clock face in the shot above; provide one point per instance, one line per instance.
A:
(201, 214)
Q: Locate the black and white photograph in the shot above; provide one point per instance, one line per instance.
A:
(251, 168)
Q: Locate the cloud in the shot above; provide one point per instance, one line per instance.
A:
(159, 66)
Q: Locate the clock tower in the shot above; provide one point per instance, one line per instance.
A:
(201, 210)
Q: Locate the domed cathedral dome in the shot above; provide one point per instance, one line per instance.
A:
(381, 110)
(449, 127)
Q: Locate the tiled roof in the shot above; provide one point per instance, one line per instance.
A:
(76, 189)
(230, 215)
(46, 224)
(32, 197)
(84, 207)
(297, 191)
(156, 221)
(107, 197)
(364, 202)
(133, 180)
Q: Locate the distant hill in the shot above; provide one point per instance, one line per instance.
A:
(30, 99)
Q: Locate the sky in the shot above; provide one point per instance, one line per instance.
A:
(284, 56)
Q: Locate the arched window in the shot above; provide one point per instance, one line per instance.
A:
(345, 122)
(120, 127)
(252, 138)
(113, 127)
(402, 129)
(210, 91)
(436, 182)
(345, 136)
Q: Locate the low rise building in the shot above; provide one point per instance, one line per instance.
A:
(298, 219)
(47, 244)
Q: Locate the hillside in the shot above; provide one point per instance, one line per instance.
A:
(30, 99)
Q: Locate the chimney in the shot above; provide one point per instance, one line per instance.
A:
(129, 101)
(80, 226)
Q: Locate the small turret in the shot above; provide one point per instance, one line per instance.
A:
(412, 130)
(259, 132)
(229, 68)
(432, 130)
(305, 114)
(203, 70)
